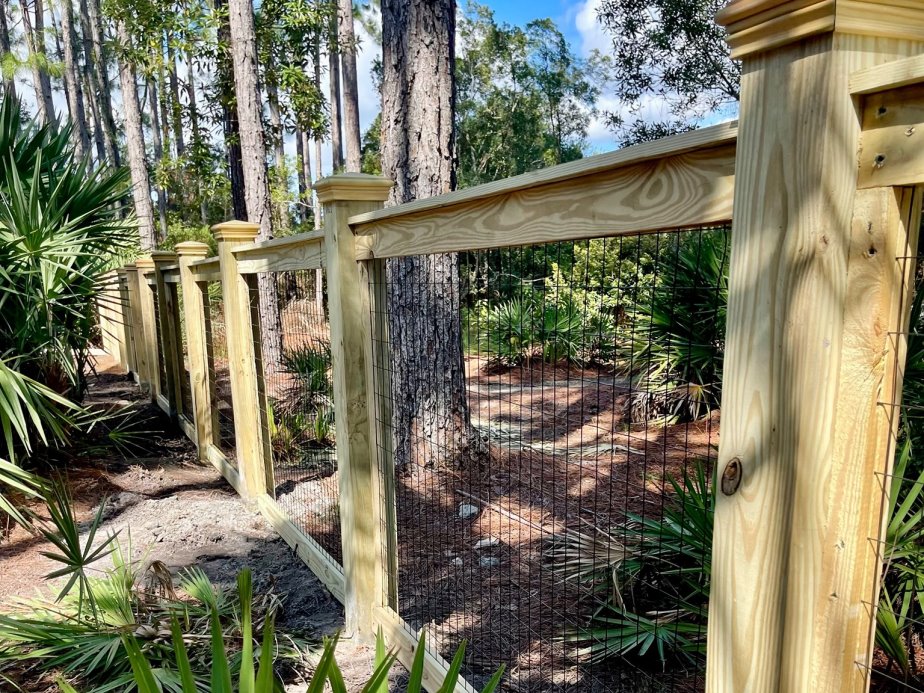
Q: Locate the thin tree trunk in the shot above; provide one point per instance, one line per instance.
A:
(9, 84)
(336, 126)
(256, 183)
(93, 107)
(176, 109)
(134, 139)
(300, 175)
(35, 41)
(282, 211)
(347, 47)
(72, 80)
(101, 72)
(316, 212)
(194, 125)
(230, 123)
(164, 115)
(432, 422)
(158, 155)
(92, 88)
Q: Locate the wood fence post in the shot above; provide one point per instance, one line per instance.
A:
(148, 322)
(127, 356)
(247, 393)
(349, 303)
(169, 330)
(814, 296)
(202, 415)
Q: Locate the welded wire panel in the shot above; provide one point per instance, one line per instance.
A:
(219, 377)
(159, 340)
(552, 417)
(299, 393)
(185, 382)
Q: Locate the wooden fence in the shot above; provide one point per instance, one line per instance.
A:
(822, 173)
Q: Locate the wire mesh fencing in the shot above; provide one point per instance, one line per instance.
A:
(186, 403)
(159, 338)
(299, 390)
(552, 414)
(216, 344)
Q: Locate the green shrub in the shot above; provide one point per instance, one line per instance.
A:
(672, 342)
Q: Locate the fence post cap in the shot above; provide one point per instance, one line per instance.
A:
(235, 230)
(129, 267)
(755, 26)
(353, 186)
(192, 249)
(145, 263)
(162, 257)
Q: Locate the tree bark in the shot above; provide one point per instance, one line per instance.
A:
(158, 155)
(134, 139)
(35, 41)
(336, 139)
(432, 422)
(347, 41)
(300, 172)
(101, 72)
(92, 87)
(194, 126)
(72, 80)
(279, 155)
(9, 84)
(230, 123)
(256, 183)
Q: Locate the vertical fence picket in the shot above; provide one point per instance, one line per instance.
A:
(169, 331)
(194, 314)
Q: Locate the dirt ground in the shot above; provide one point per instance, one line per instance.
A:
(177, 511)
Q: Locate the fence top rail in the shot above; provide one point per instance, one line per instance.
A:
(680, 182)
(255, 250)
(205, 264)
(705, 138)
(299, 252)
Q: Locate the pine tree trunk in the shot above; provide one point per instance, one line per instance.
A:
(134, 139)
(336, 126)
(101, 73)
(300, 174)
(256, 184)
(432, 423)
(176, 109)
(35, 41)
(156, 135)
(194, 126)
(9, 84)
(316, 212)
(347, 40)
(282, 211)
(92, 88)
(230, 123)
(72, 80)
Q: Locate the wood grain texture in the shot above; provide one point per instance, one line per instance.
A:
(245, 375)
(891, 75)
(705, 138)
(194, 316)
(359, 478)
(125, 324)
(773, 624)
(169, 331)
(683, 190)
(147, 320)
(308, 254)
(400, 637)
(307, 549)
(892, 142)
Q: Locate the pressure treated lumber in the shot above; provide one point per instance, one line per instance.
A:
(125, 326)
(785, 595)
(891, 75)
(299, 252)
(679, 191)
(892, 143)
(351, 352)
(246, 375)
(146, 320)
(169, 331)
(204, 413)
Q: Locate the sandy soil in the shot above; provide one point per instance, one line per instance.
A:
(184, 514)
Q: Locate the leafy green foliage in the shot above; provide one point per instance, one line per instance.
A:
(61, 228)
(668, 51)
(673, 338)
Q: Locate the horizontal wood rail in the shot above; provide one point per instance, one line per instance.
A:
(206, 270)
(891, 75)
(299, 252)
(892, 140)
(677, 182)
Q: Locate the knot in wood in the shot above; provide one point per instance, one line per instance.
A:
(731, 477)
